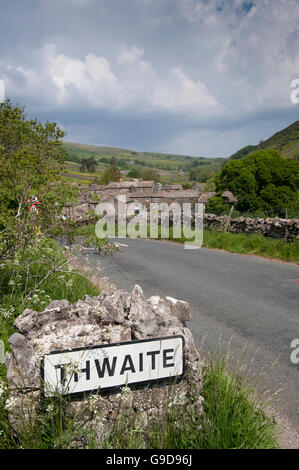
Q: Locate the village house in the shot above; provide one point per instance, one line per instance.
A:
(158, 197)
(129, 186)
(139, 197)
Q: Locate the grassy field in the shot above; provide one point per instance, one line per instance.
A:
(167, 165)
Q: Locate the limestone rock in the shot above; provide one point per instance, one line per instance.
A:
(179, 309)
(112, 317)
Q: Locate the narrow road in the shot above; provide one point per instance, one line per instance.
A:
(249, 301)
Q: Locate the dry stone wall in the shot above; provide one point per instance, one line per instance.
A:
(113, 317)
(287, 229)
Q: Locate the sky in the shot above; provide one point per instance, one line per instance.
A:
(191, 77)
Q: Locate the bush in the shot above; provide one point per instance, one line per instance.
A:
(262, 181)
(216, 205)
(134, 173)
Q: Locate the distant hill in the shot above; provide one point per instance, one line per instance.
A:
(285, 141)
(83, 150)
(171, 167)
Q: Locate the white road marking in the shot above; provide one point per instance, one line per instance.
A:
(119, 244)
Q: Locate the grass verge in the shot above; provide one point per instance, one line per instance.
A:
(24, 284)
(232, 418)
(249, 244)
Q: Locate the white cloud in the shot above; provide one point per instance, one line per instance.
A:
(127, 56)
(134, 86)
(170, 61)
(182, 93)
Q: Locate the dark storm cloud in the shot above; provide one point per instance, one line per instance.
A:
(182, 76)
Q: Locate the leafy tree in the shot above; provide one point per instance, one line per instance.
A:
(150, 175)
(134, 173)
(216, 205)
(88, 164)
(261, 181)
(71, 157)
(201, 175)
(112, 173)
(31, 159)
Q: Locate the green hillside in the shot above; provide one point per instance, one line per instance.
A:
(167, 165)
(285, 141)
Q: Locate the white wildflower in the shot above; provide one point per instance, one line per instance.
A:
(50, 408)
(73, 367)
(93, 404)
(3, 387)
(6, 313)
(126, 395)
(11, 403)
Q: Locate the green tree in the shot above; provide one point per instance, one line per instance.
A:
(88, 164)
(216, 205)
(134, 173)
(200, 175)
(150, 175)
(112, 173)
(31, 159)
(261, 181)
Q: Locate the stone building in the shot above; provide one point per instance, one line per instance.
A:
(130, 186)
(158, 197)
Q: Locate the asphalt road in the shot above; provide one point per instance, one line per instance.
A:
(237, 301)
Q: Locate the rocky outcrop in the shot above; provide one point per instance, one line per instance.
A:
(112, 317)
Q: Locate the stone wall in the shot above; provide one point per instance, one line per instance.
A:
(113, 317)
(287, 229)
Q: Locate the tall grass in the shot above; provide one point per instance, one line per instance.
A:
(252, 244)
(242, 243)
(232, 418)
(24, 284)
(249, 244)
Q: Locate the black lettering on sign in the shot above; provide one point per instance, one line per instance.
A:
(86, 370)
(167, 358)
(106, 365)
(62, 372)
(140, 362)
(129, 367)
(153, 354)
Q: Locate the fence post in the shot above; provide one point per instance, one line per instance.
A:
(229, 217)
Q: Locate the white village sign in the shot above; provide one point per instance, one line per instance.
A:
(111, 366)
